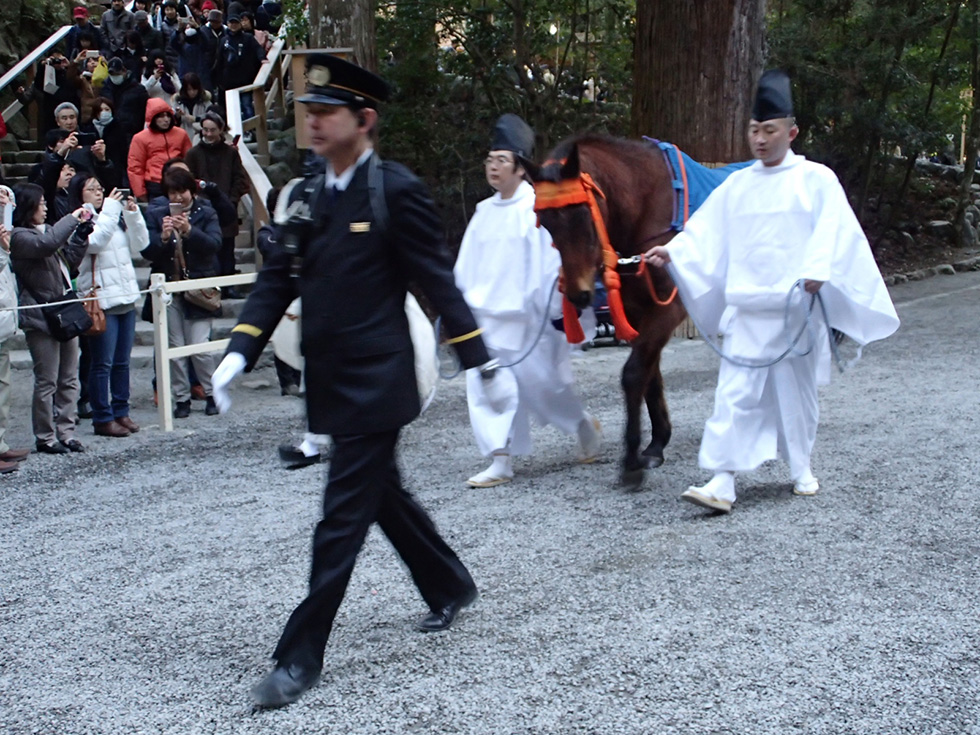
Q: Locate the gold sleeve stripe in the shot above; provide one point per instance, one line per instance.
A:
(464, 337)
(248, 329)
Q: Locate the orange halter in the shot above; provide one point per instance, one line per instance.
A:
(583, 190)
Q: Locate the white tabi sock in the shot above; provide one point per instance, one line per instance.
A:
(806, 484)
(500, 471)
(721, 486)
(589, 439)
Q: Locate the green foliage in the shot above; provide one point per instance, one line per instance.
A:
(456, 67)
(873, 78)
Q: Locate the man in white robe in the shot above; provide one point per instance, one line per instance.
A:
(507, 270)
(768, 227)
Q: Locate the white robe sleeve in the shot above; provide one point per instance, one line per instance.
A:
(838, 253)
(699, 261)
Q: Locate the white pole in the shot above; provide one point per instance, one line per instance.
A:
(161, 346)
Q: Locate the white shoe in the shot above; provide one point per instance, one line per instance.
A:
(717, 494)
(589, 439)
(806, 484)
(499, 472)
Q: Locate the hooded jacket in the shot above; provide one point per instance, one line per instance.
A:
(152, 148)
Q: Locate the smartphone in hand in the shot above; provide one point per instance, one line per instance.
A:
(176, 209)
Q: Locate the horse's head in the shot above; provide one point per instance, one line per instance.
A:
(562, 205)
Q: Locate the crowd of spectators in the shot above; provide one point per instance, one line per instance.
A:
(129, 112)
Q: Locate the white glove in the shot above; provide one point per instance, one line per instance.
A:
(500, 390)
(228, 369)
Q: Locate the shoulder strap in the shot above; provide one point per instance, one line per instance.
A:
(376, 191)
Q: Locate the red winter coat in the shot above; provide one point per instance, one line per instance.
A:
(151, 149)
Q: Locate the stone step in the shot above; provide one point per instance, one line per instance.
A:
(16, 170)
(21, 156)
(10, 143)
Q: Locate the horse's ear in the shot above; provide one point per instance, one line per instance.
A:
(533, 170)
(570, 169)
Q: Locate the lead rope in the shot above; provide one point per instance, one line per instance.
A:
(809, 327)
(455, 358)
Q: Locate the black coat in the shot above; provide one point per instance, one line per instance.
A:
(129, 105)
(360, 364)
(237, 60)
(200, 247)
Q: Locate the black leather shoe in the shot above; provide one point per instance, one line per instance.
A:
(441, 619)
(294, 458)
(43, 448)
(210, 408)
(73, 445)
(283, 686)
(84, 410)
(182, 410)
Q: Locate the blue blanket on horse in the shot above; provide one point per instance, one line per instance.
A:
(692, 181)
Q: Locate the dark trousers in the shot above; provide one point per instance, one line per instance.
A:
(287, 374)
(84, 368)
(109, 373)
(226, 257)
(364, 487)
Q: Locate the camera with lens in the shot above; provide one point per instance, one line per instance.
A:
(297, 231)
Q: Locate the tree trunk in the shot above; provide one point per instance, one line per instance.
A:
(696, 65)
(345, 24)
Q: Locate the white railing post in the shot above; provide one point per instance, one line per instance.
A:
(161, 346)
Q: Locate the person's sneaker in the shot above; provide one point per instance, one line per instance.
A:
(182, 410)
(210, 409)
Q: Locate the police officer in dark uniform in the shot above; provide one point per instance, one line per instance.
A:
(351, 264)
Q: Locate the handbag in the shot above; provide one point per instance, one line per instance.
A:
(209, 298)
(92, 308)
(65, 321)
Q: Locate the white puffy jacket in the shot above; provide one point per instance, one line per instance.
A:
(113, 250)
(8, 297)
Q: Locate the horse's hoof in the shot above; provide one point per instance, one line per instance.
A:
(653, 462)
(632, 479)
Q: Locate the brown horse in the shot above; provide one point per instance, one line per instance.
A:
(632, 199)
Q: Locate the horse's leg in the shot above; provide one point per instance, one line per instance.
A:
(659, 415)
(634, 387)
(666, 321)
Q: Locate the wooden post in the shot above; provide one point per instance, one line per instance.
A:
(161, 343)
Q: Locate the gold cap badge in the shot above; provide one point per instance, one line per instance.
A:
(318, 76)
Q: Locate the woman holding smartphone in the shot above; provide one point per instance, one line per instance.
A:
(186, 228)
(43, 257)
(120, 232)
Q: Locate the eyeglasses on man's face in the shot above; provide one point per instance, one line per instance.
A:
(497, 160)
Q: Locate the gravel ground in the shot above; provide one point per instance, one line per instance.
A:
(143, 584)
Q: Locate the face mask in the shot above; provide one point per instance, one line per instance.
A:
(117, 78)
(105, 117)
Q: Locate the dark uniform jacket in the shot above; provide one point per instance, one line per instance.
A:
(360, 364)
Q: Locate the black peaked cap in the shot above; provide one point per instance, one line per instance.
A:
(332, 81)
(774, 99)
(511, 133)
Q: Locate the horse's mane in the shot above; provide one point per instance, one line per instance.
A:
(613, 145)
